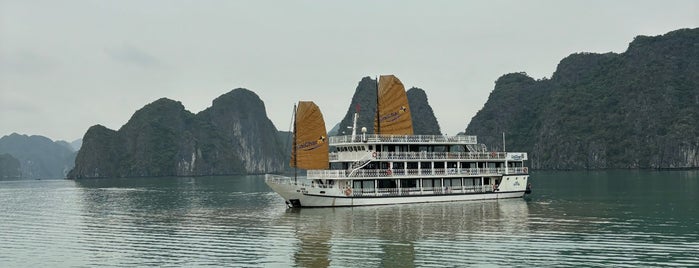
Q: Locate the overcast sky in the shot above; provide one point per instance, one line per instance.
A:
(68, 65)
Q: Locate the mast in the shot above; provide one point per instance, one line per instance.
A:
(378, 114)
(294, 144)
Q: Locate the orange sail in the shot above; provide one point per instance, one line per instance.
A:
(310, 148)
(393, 116)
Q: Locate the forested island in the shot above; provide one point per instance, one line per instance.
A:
(637, 109)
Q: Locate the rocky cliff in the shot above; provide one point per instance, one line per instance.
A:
(233, 136)
(39, 157)
(424, 121)
(637, 109)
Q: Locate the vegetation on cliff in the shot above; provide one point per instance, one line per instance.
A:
(637, 109)
(233, 136)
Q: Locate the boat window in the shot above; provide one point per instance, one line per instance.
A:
(447, 183)
(428, 183)
(410, 183)
(412, 165)
(371, 147)
(470, 182)
(364, 186)
(425, 165)
(451, 164)
(387, 184)
(455, 182)
(438, 164)
(335, 165)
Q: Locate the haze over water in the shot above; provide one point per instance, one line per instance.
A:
(609, 218)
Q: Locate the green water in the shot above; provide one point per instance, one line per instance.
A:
(610, 218)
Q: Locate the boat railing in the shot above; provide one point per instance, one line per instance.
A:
(387, 173)
(334, 156)
(374, 138)
(440, 155)
(278, 179)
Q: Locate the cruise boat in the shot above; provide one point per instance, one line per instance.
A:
(392, 165)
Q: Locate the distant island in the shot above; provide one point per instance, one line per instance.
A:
(35, 157)
(637, 109)
(233, 136)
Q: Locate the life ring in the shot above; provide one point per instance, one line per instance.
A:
(348, 191)
(389, 172)
(374, 154)
(525, 170)
(493, 154)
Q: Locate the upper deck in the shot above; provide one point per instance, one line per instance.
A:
(402, 139)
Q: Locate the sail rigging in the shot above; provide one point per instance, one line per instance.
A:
(310, 148)
(393, 112)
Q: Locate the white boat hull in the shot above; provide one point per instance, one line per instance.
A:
(302, 194)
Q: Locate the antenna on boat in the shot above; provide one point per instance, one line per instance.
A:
(503, 142)
(354, 123)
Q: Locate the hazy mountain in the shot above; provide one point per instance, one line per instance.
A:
(39, 157)
(9, 167)
(76, 144)
(637, 109)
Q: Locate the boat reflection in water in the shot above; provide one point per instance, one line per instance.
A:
(404, 235)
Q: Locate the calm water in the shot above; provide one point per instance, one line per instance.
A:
(612, 218)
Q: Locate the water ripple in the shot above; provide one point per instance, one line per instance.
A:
(237, 222)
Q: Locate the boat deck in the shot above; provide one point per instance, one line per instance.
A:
(403, 139)
(407, 173)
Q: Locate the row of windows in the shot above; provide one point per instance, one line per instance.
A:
(428, 165)
(354, 148)
(413, 183)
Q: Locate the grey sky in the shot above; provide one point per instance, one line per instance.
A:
(67, 65)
